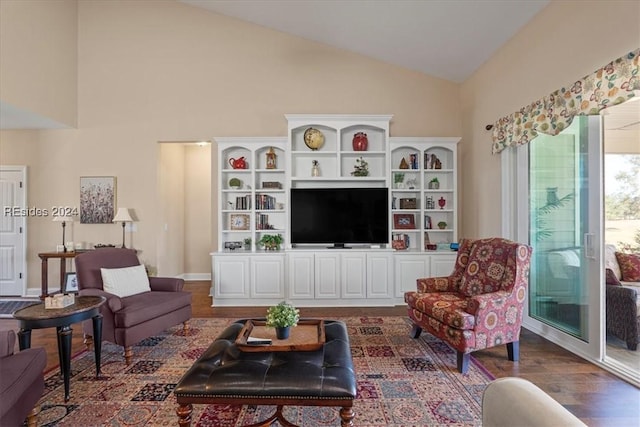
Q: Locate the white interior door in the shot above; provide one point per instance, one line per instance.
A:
(13, 231)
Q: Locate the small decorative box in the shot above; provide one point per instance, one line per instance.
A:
(59, 301)
(408, 203)
(271, 184)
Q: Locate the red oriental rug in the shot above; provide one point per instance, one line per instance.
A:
(401, 382)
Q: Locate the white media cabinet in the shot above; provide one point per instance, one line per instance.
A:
(315, 275)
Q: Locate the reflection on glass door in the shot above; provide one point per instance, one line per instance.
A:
(559, 228)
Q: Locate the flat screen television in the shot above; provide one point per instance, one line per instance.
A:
(339, 216)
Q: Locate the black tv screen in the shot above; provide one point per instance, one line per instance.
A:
(339, 216)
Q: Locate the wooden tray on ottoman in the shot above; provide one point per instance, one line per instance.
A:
(307, 336)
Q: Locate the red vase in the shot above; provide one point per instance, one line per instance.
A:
(442, 202)
(360, 141)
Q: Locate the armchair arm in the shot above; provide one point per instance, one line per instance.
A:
(113, 301)
(166, 284)
(621, 304)
(436, 284)
(484, 304)
(7, 342)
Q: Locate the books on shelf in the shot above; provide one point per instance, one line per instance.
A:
(243, 203)
(400, 241)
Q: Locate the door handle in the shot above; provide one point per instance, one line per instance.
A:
(589, 249)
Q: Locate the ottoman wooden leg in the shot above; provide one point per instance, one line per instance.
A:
(346, 416)
(184, 415)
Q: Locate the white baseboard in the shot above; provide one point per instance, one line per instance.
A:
(196, 276)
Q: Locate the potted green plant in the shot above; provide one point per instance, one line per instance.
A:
(361, 168)
(282, 317)
(247, 243)
(398, 179)
(442, 225)
(434, 184)
(271, 242)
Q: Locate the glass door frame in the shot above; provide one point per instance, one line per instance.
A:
(515, 225)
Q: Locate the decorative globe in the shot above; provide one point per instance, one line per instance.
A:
(313, 138)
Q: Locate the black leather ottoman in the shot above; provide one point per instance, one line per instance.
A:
(226, 375)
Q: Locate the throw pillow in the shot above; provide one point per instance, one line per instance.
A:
(611, 278)
(629, 266)
(610, 260)
(125, 282)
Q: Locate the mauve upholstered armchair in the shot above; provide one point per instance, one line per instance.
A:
(480, 304)
(21, 381)
(128, 320)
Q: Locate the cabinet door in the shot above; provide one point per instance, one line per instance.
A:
(301, 275)
(442, 264)
(379, 275)
(327, 275)
(231, 277)
(408, 270)
(353, 276)
(267, 276)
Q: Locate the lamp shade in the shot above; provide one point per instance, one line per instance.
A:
(123, 215)
(63, 219)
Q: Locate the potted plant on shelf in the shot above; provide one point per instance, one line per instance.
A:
(361, 168)
(434, 184)
(247, 243)
(282, 317)
(271, 242)
(442, 225)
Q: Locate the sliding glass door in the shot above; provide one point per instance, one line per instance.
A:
(560, 229)
(558, 189)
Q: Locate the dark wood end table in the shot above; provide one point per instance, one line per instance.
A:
(38, 317)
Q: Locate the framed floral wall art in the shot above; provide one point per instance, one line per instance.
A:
(97, 199)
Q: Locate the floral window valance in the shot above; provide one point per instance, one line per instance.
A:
(611, 85)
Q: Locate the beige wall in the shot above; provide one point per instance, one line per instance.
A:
(564, 42)
(197, 218)
(164, 71)
(38, 57)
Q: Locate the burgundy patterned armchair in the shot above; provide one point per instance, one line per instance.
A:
(480, 304)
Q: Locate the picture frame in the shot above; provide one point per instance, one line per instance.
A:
(70, 284)
(97, 199)
(239, 221)
(404, 221)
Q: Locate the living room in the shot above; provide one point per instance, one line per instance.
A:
(131, 75)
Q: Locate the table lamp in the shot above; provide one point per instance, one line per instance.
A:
(64, 220)
(123, 216)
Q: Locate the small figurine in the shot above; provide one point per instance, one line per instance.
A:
(271, 159)
(315, 168)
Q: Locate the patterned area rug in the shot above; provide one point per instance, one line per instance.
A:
(8, 307)
(401, 382)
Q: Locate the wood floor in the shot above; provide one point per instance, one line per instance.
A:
(595, 396)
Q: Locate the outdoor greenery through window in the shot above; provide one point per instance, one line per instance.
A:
(622, 201)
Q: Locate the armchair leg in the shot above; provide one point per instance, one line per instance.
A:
(415, 331)
(462, 361)
(513, 351)
(32, 418)
(88, 341)
(128, 355)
